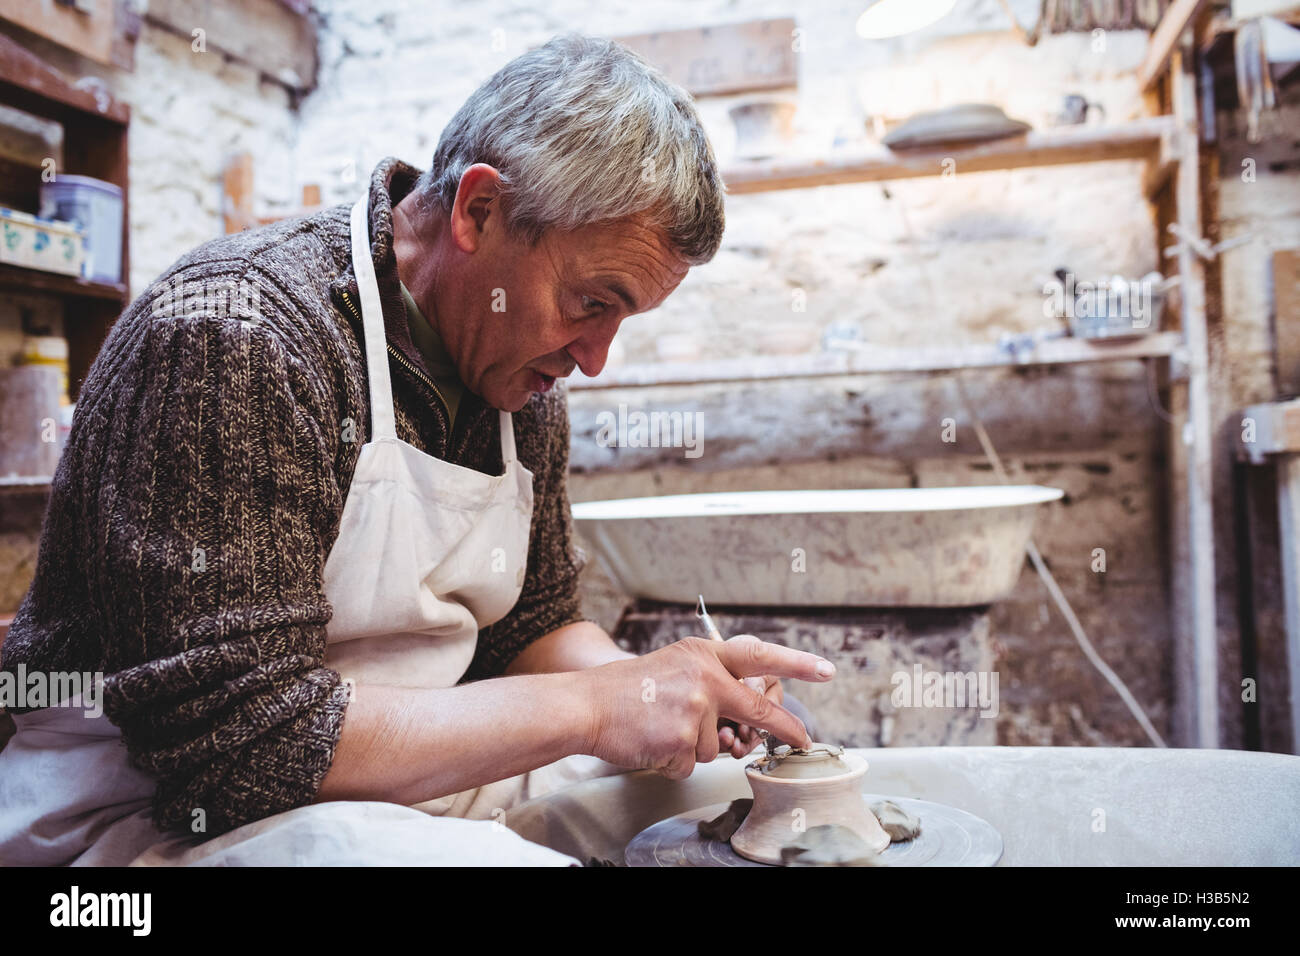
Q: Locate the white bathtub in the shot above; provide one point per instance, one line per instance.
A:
(887, 547)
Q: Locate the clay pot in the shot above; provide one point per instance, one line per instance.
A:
(797, 791)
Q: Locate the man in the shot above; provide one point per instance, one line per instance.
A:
(299, 538)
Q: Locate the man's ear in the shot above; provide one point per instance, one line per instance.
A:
(477, 207)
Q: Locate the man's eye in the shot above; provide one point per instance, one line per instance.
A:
(591, 305)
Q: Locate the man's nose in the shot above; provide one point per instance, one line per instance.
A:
(591, 349)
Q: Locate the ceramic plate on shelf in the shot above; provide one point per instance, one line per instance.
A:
(964, 124)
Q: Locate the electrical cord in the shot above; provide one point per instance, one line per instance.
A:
(1054, 589)
(1152, 395)
(1040, 566)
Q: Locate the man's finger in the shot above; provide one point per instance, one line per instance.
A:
(743, 704)
(746, 656)
(680, 766)
(740, 751)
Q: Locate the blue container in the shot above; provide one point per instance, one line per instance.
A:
(96, 206)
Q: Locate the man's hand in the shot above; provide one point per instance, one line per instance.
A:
(741, 739)
(661, 711)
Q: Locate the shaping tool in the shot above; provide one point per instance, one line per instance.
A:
(711, 629)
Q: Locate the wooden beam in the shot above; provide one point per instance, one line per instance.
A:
(1286, 319)
(726, 58)
(1076, 414)
(1160, 168)
(29, 83)
(269, 36)
(126, 31)
(237, 193)
(1274, 429)
(1138, 139)
(86, 29)
(877, 360)
(1198, 437)
(1288, 500)
(1165, 37)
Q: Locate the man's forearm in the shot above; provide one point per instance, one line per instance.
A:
(573, 647)
(403, 745)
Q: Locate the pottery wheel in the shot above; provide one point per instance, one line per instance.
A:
(949, 837)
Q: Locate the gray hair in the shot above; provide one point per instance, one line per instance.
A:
(582, 130)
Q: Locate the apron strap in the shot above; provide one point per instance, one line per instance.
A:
(507, 437)
(383, 424)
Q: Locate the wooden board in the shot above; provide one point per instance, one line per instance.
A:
(1288, 503)
(1244, 9)
(1276, 430)
(730, 58)
(1138, 139)
(1286, 322)
(876, 360)
(88, 31)
(29, 83)
(1176, 19)
(1050, 418)
(19, 279)
(1203, 646)
(266, 34)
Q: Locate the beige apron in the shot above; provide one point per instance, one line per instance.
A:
(427, 554)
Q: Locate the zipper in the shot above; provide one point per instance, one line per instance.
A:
(401, 359)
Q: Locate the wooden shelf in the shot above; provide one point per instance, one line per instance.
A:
(19, 279)
(1277, 431)
(24, 486)
(29, 83)
(95, 136)
(874, 361)
(1138, 139)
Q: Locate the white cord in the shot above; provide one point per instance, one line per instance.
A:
(1054, 589)
(1152, 396)
(1075, 627)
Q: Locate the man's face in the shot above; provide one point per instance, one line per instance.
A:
(516, 317)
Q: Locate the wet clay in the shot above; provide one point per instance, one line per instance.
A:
(722, 827)
(897, 822)
(829, 845)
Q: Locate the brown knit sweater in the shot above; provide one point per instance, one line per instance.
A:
(201, 491)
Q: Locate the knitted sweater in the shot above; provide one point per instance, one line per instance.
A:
(201, 490)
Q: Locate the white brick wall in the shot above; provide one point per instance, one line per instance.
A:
(964, 258)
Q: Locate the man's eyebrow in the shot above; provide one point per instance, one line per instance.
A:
(621, 291)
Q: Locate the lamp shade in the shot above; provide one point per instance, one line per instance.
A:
(892, 18)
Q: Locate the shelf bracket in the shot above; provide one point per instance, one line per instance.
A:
(1202, 246)
(1160, 168)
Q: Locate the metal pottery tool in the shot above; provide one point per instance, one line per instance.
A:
(711, 629)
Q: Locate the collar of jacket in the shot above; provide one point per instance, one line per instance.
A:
(390, 182)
